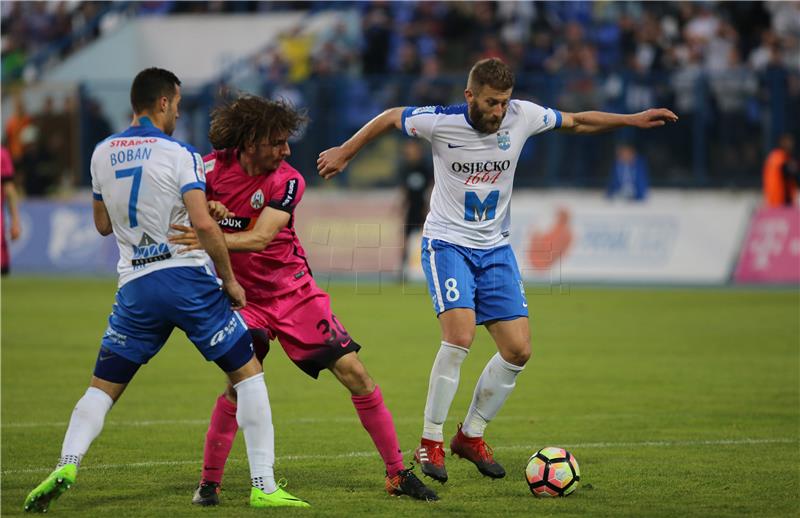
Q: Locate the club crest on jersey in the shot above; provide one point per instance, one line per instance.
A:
(503, 140)
(257, 199)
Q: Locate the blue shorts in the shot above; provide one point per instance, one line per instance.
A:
(147, 309)
(486, 281)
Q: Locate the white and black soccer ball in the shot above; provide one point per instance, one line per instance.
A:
(552, 472)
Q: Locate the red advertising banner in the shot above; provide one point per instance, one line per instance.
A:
(771, 251)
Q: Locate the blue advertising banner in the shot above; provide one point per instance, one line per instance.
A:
(59, 237)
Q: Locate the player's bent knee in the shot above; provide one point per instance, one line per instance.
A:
(460, 338)
(248, 370)
(517, 355)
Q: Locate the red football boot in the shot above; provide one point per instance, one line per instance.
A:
(475, 450)
(430, 457)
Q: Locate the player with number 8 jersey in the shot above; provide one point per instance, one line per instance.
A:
(472, 275)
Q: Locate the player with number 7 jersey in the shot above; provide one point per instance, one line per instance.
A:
(472, 275)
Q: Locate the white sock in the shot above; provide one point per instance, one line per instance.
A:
(85, 425)
(442, 389)
(254, 416)
(493, 388)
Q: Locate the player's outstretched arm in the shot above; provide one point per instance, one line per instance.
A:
(102, 221)
(599, 122)
(333, 161)
(212, 240)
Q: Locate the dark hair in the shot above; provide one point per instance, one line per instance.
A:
(249, 119)
(150, 85)
(492, 72)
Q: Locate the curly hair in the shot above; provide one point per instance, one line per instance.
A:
(249, 119)
(492, 72)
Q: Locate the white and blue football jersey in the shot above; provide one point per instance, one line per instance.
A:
(141, 175)
(474, 171)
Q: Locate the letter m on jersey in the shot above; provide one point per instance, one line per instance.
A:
(477, 210)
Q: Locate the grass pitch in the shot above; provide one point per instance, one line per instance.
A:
(675, 402)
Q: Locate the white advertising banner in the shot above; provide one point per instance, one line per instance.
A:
(673, 237)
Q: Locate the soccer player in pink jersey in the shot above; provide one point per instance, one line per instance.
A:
(8, 198)
(254, 191)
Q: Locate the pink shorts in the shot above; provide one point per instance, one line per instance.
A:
(303, 323)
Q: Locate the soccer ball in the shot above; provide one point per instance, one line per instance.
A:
(552, 472)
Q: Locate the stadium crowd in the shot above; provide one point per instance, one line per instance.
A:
(730, 69)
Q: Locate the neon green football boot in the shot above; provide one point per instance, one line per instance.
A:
(57, 482)
(278, 498)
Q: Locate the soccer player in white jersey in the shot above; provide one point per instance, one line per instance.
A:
(143, 181)
(471, 271)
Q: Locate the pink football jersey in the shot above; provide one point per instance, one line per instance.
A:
(282, 266)
(6, 175)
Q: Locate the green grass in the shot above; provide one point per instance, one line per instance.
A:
(675, 402)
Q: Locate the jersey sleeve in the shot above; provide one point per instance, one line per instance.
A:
(191, 171)
(418, 121)
(540, 118)
(287, 193)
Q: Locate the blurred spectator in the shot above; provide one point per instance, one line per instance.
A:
(377, 38)
(54, 138)
(431, 88)
(15, 125)
(35, 164)
(780, 174)
(295, 48)
(96, 128)
(734, 88)
(8, 199)
(629, 178)
(334, 53)
(762, 55)
(408, 62)
(416, 176)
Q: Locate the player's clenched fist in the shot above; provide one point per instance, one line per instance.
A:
(332, 162)
(219, 211)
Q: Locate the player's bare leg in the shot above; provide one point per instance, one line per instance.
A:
(493, 388)
(377, 420)
(458, 332)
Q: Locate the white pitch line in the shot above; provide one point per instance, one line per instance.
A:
(372, 453)
(300, 420)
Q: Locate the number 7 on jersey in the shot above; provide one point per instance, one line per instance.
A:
(136, 173)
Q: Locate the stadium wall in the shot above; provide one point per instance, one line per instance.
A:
(559, 237)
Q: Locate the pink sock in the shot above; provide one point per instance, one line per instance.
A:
(377, 420)
(219, 439)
